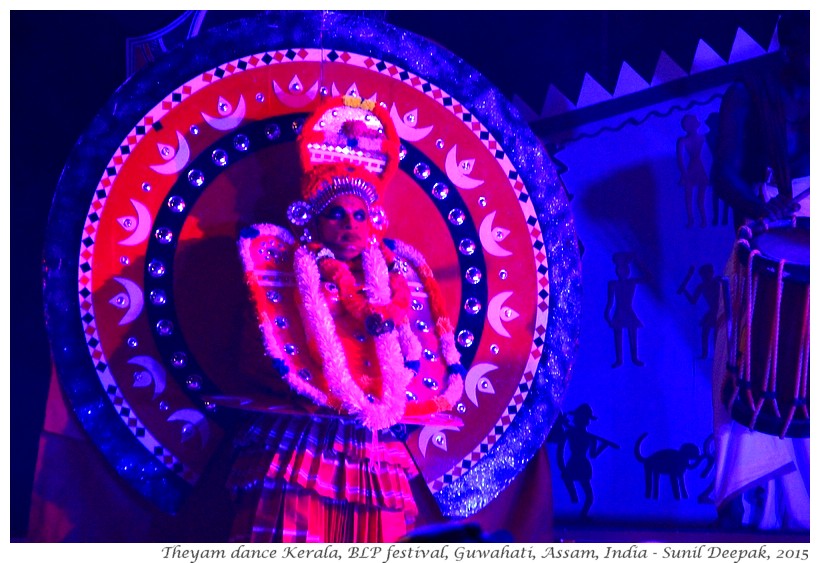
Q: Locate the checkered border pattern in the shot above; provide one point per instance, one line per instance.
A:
(153, 120)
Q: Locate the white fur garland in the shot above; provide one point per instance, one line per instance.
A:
(374, 413)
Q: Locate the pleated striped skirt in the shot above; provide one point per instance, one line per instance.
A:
(320, 479)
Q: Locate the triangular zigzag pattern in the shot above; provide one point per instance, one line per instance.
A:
(630, 82)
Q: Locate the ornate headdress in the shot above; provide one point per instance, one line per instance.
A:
(347, 146)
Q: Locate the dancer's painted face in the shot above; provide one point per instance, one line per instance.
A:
(344, 227)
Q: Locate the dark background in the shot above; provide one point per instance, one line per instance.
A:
(65, 65)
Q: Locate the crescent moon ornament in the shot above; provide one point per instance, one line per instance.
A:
(490, 237)
(132, 300)
(154, 369)
(299, 96)
(176, 159)
(434, 434)
(229, 119)
(139, 226)
(406, 126)
(497, 314)
(459, 171)
(476, 380)
(194, 423)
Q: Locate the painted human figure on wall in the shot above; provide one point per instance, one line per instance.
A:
(709, 289)
(619, 312)
(693, 176)
(582, 443)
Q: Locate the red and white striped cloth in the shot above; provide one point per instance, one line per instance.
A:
(321, 479)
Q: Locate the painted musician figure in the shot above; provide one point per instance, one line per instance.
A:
(339, 321)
